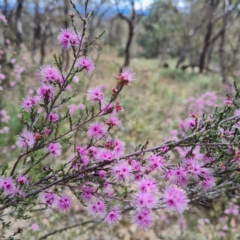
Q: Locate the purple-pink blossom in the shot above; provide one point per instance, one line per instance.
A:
(126, 76)
(34, 227)
(97, 208)
(145, 200)
(64, 203)
(143, 219)
(3, 19)
(26, 139)
(50, 74)
(67, 38)
(113, 121)
(55, 149)
(175, 199)
(95, 94)
(155, 162)
(121, 171)
(53, 117)
(113, 216)
(45, 92)
(86, 63)
(96, 130)
(7, 184)
(22, 180)
(49, 198)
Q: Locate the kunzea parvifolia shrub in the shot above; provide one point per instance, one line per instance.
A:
(198, 165)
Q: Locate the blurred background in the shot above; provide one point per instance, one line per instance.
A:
(184, 53)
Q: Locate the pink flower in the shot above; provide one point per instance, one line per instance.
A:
(143, 219)
(189, 123)
(179, 176)
(53, 117)
(87, 193)
(126, 76)
(155, 162)
(104, 155)
(86, 64)
(121, 171)
(97, 208)
(93, 152)
(26, 140)
(72, 108)
(34, 227)
(13, 60)
(107, 107)
(175, 199)
(47, 131)
(144, 200)
(75, 79)
(81, 150)
(64, 203)
(113, 216)
(228, 102)
(136, 166)
(147, 185)
(55, 149)
(116, 146)
(29, 102)
(207, 183)
(3, 19)
(2, 76)
(194, 167)
(69, 88)
(81, 106)
(45, 92)
(96, 130)
(113, 121)
(102, 173)
(67, 38)
(95, 94)
(50, 75)
(22, 180)
(7, 185)
(49, 198)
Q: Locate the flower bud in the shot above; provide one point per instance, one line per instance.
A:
(37, 136)
(72, 15)
(114, 90)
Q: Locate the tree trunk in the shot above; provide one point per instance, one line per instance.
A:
(205, 47)
(18, 22)
(128, 45)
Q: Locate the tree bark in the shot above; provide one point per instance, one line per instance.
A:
(18, 22)
(205, 46)
(129, 43)
(131, 25)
